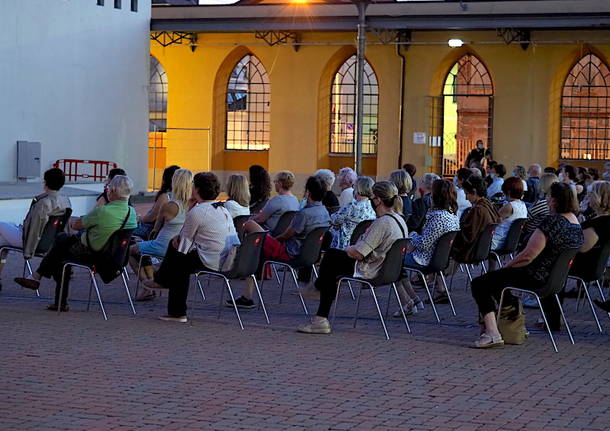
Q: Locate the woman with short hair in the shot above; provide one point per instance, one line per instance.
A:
(205, 241)
(238, 193)
(327, 177)
(513, 209)
(347, 178)
(530, 269)
(284, 201)
(344, 221)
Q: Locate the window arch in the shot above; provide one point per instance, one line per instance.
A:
(248, 106)
(466, 112)
(585, 115)
(157, 97)
(343, 109)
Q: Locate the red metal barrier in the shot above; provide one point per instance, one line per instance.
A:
(97, 170)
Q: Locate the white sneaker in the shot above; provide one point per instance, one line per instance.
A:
(166, 318)
(316, 327)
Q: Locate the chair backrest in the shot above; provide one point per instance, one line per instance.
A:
(442, 252)
(391, 269)
(512, 236)
(111, 259)
(558, 273)
(248, 255)
(483, 245)
(239, 223)
(283, 223)
(310, 250)
(600, 265)
(54, 226)
(359, 230)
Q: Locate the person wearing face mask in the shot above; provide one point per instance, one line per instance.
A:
(365, 258)
(477, 154)
(497, 177)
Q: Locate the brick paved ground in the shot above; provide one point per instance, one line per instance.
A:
(75, 371)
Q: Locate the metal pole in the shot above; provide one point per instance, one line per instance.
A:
(154, 184)
(362, 4)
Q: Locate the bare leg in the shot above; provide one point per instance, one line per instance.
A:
(491, 326)
(248, 291)
(134, 258)
(405, 292)
(252, 226)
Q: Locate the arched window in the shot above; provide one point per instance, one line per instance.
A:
(467, 112)
(157, 97)
(585, 118)
(248, 99)
(343, 109)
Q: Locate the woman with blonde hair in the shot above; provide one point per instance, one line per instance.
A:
(238, 192)
(404, 183)
(367, 254)
(167, 225)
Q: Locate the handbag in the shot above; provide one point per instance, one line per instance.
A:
(512, 329)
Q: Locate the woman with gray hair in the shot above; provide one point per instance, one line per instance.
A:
(344, 221)
(327, 177)
(347, 178)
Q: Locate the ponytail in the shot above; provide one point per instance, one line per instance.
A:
(388, 193)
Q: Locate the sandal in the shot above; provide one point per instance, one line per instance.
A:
(486, 341)
(145, 295)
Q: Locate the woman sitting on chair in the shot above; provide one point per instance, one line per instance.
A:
(168, 224)
(531, 268)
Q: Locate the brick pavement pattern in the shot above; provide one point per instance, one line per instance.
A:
(75, 371)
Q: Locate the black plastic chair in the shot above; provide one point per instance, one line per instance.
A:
(359, 230)
(245, 266)
(438, 264)
(239, 223)
(283, 223)
(554, 285)
(511, 242)
(481, 254)
(310, 251)
(389, 273)
(583, 280)
(54, 226)
(116, 251)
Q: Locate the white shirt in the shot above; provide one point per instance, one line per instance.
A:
(236, 209)
(346, 197)
(495, 187)
(211, 231)
(462, 202)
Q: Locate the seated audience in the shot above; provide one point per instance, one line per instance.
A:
(514, 209)
(169, 222)
(473, 223)
(411, 170)
(402, 180)
(327, 177)
(497, 179)
(462, 175)
(347, 178)
(440, 219)
(146, 222)
(100, 224)
(260, 188)
(238, 193)
(49, 203)
(531, 268)
(102, 198)
(344, 221)
(203, 244)
(540, 209)
(367, 254)
(568, 175)
(287, 246)
(487, 172)
(269, 216)
(519, 172)
(583, 179)
(421, 205)
(533, 184)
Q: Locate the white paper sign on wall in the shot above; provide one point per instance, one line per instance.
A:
(419, 138)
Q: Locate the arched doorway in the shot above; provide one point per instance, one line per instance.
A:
(467, 112)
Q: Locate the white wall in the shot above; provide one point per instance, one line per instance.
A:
(74, 76)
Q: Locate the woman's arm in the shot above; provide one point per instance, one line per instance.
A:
(341, 216)
(151, 215)
(167, 213)
(354, 253)
(534, 247)
(591, 239)
(286, 235)
(506, 211)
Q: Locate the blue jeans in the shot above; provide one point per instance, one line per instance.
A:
(411, 263)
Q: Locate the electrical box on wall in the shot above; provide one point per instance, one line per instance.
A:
(28, 160)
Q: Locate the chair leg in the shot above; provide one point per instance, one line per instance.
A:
(358, 304)
(351, 291)
(402, 311)
(260, 298)
(99, 297)
(29, 268)
(599, 326)
(563, 316)
(234, 304)
(89, 297)
(438, 319)
(200, 289)
(334, 310)
(123, 276)
(138, 275)
(447, 292)
(282, 283)
(601, 292)
(469, 276)
(296, 284)
(385, 330)
(546, 323)
(61, 287)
